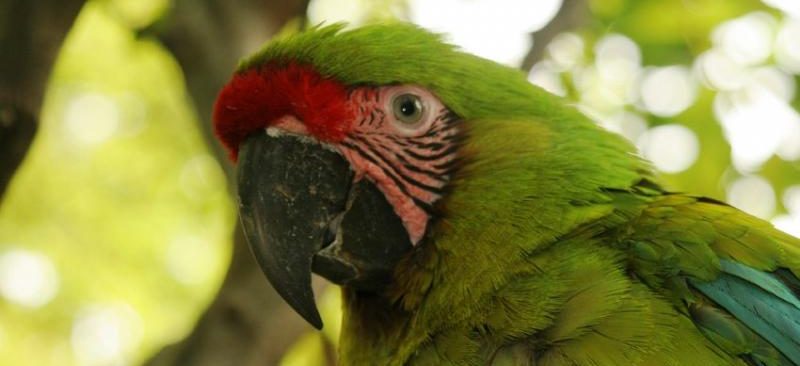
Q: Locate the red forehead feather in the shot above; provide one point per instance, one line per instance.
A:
(255, 98)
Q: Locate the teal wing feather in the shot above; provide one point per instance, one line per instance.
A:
(734, 275)
(761, 302)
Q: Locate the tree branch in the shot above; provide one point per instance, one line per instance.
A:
(572, 15)
(247, 323)
(31, 33)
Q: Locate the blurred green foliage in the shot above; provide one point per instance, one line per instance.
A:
(677, 32)
(120, 195)
(121, 198)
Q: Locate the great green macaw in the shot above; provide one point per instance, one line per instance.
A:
(474, 219)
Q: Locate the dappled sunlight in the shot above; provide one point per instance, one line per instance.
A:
(752, 194)
(791, 7)
(27, 278)
(756, 123)
(772, 79)
(612, 81)
(477, 25)
(660, 143)
(626, 123)
(791, 199)
(353, 12)
(117, 229)
(617, 56)
(753, 100)
(668, 91)
(91, 118)
(787, 49)
(746, 76)
(106, 334)
(543, 75)
(469, 24)
(790, 222)
(565, 52)
(747, 40)
(720, 72)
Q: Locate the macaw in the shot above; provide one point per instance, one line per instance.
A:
(473, 218)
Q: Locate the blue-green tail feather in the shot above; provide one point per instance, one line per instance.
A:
(767, 303)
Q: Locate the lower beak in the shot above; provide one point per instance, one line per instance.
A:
(300, 210)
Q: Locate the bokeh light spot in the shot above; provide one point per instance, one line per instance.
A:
(775, 81)
(27, 278)
(353, 12)
(789, 224)
(512, 15)
(787, 44)
(483, 42)
(752, 194)
(718, 71)
(91, 118)
(617, 56)
(543, 75)
(672, 148)
(631, 125)
(617, 47)
(497, 30)
(612, 81)
(789, 149)
(667, 91)
(566, 51)
(791, 199)
(746, 40)
(791, 7)
(756, 123)
(106, 334)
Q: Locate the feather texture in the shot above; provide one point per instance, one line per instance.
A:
(759, 301)
(555, 244)
(720, 264)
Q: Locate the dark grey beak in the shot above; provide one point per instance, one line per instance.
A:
(300, 210)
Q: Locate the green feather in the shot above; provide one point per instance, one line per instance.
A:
(733, 336)
(759, 301)
(761, 279)
(555, 242)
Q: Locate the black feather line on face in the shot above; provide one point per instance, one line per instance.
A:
(421, 166)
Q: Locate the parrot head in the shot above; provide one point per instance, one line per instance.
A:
(340, 179)
(335, 175)
(349, 145)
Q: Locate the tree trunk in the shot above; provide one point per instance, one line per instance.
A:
(31, 33)
(247, 323)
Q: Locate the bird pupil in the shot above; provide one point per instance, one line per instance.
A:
(408, 108)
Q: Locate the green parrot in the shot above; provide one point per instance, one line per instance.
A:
(472, 218)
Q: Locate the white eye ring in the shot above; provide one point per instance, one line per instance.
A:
(408, 108)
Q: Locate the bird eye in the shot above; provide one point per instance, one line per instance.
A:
(407, 108)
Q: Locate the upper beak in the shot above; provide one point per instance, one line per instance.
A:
(300, 209)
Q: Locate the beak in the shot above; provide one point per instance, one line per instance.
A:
(300, 210)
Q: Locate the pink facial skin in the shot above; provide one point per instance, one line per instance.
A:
(410, 161)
